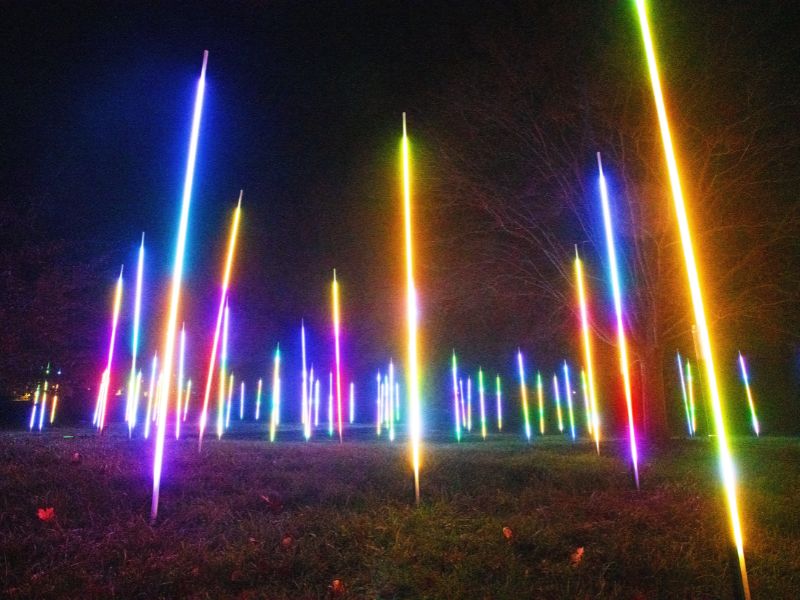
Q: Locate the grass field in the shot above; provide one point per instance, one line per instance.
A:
(246, 519)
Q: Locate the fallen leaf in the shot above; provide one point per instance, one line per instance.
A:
(337, 587)
(576, 557)
(507, 533)
(46, 514)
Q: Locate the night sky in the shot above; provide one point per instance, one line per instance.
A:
(303, 111)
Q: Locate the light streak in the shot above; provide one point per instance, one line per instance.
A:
(223, 360)
(43, 408)
(330, 404)
(685, 395)
(55, 404)
(690, 387)
(316, 402)
(102, 398)
(540, 395)
(463, 403)
(568, 392)
(241, 401)
(258, 400)
(594, 420)
(726, 461)
(621, 339)
(220, 315)
(499, 403)
(390, 395)
(456, 413)
(336, 323)
(557, 393)
(746, 379)
(177, 275)
(179, 402)
(35, 405)
(229, 402)
(187, 395)
(276, 394)
(587, 409)
(414, 404)
(150, 394)
(469, 404)
(130, 418)
(378, 405)
(524, 393)
(352, 411)
(304, 377)
(482, 403)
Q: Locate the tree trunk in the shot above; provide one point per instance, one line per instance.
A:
(653, 394)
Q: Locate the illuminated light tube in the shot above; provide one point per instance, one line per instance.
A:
(276, 394)
(463, 403)
(35, 405)
(43, 408)
(336, 323)
(241, 401)
(55, 404)
(223, 360)
(379, 405)
(685, 395)
(187, 395)
(177, 275)
(304, 399)
(482, 403)
(469, 404)
(621, 339)
(352, 412)
(258, 400)
(690, 387)
(102, 399)
(524, 395)
(746, 380)
(412, 311)
(179, 402)
(540, 395)
(330, 404)
(130, 418)
(229, 402)
(726, 461)
(568, 392)
(456, 413)
(212, 363)
(316, 402)
(499, 403)
(557, 393)
(390, 395)
(150, 395)
(594, 420)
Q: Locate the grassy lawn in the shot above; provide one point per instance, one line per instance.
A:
(246, 519)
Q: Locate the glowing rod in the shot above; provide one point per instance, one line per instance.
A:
(586, 408)
(179, 402)
(621, 341)
(389, 406)
(690, 387)
(222, 301)
(276, 393)
(223, 359)
(726, 461)
(414, 408)
(746, 380)
(594, 420)
(258, 399)
(130, 418)
(43, 408)
(463, 403)
(455, 398)
(177, 275)
(102, 398)
(228, 405)
(540, 394)
(241, 401)
(685, 397)
(558, 403)
(316, 403)
(469, 403)
(568, 392)
(390, 396)
(482, 404)
(352, 412)
(330, 404)
(55, 403)
(187, 395)
(524, 393)
(304, 377)
(335, 293)
(378, 409)
(499, 403)
(35, 404)
(150, 394)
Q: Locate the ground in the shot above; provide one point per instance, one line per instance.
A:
(498, 519)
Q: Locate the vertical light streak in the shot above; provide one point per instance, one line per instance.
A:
(177, 275)
(304, 380)
(540, 395)
(55, 404)
(414, 405)
(229, 402)
(557, 393)
(151, 390)
(587, 409)
(469, 404)
(726, 461)
(499, 403)
(746, 380)
(685, 395)
(463, 399)
(43, 408)
(223, 361)
(241, 401)
(336, 323)
(594, 421)
(179, 402)
(568, 392)
(621, 340)
(258, 400)
(330, 404)
(34, 407)
(456, 413)
(102, 399)
(352, 411)
(378, 405)
(276, 394)
(137, 311)
(482, 403)
(223, 300)
(390, 395)
(316, 402)
(187, 395)
(524, 393)
(690, 387)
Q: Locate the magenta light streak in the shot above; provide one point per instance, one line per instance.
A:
(180, 383)
(103, 400)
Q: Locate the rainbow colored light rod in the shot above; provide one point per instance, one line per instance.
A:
(179, 403)
(482, 403)
(177, 277)
(456, 413)
(568, 392)
(746, 380)
(524, 395)
(594, 421)
(258, 399)
(226, 277)
(621, 339)
(726, 461)
(499, 403)
(223, 360)
(102, 399)
(336, 323)
(276, 393)
(412, 312)
(130, 418)
(557, 394)
(34, 407)
(684, 394)
(540, 394)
